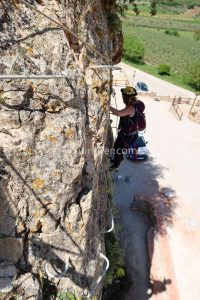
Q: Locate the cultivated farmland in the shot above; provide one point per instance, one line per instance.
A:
(165, 40)
(159, 47)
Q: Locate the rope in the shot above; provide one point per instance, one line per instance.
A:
(114, 94)
(65, 28)
(90, 3)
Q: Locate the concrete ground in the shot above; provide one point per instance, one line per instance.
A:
(174, 163)
(156, 85)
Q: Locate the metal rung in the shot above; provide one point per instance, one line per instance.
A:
(104, 67)
(19, 77)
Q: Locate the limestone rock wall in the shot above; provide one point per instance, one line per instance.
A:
(53, 201)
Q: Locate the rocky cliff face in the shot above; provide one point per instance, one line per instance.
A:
(53, 201)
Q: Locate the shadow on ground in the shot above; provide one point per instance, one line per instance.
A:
(143, 185)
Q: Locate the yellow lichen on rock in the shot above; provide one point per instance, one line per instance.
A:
(30, 151)
(94, 120)
(30, 50)
(52, 139)
(104, 99)
(69, 133)
(38, 184)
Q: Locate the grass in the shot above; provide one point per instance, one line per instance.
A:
(161, 48)
(178, 52)
(152, 70)
(162, 23)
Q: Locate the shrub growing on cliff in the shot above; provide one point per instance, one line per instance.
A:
(164, 69)
(2, 98)
(116, 258)
(62, 295)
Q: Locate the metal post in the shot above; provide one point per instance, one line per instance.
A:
(134, 76)
(193, 104)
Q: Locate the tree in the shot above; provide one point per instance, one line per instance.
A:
(122, 5)
(153, 9)
(135, 9)
(197, 35)
(193, 75)
(164, 69)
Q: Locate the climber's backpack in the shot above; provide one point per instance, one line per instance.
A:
(135, 123)
(140, 116)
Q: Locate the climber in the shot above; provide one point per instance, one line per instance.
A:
(132, 119)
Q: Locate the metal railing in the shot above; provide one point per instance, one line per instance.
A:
(122, 83)
(177, 109)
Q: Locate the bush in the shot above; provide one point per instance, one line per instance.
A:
(193, 76)
(173, 32)
(164, 69)
(133, 49)
(197, 35)
(193, 4)
(116, 258)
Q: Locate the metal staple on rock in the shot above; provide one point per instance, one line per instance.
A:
(91, 294)
(59, 275)
(112, 220)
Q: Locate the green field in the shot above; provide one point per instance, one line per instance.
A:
(174, 78)
(162, 23)
(160, 48)
(178, 52)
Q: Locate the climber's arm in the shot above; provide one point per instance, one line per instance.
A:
(128, 111)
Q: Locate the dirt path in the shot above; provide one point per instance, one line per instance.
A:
(174, 163)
